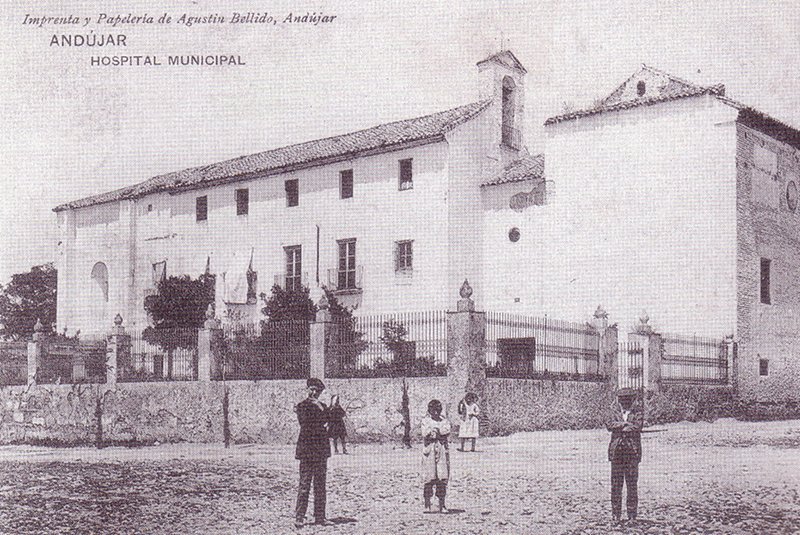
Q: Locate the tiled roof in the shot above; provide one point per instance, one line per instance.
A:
(527, 168)
(383, 138)
(670, 88)
(507, 58)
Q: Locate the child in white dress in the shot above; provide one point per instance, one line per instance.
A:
(435, 455)
(469, 411)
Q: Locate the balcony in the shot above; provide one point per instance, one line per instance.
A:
(346, 281)
(285, 282)
(511, 137)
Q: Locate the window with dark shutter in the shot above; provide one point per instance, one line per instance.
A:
(292, 192)
(404, 256)
(763, 367)
(406, 174)
(346, 184)
(242, 201)
(765, 281)
(201, 208)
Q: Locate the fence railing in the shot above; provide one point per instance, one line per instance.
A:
(389, 345)
(266, 350)
(526, 346)
(694, 360)
(13, 363)
(630, 372)
(161, 355)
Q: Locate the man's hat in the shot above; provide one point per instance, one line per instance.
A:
(316, 383)
(626, 393)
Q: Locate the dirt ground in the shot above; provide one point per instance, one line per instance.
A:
(727, 477)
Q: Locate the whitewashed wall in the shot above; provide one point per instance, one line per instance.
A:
(643, 217)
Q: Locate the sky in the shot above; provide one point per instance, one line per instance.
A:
(70, 129)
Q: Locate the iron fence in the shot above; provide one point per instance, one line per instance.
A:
(72, 361)
(525, 346)
(13, 363)
(694, 360)
(630, 371)
(389, 345)
(266, 350)
(161, 355)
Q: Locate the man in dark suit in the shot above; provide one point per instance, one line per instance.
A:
(312, 451)
(625, 452)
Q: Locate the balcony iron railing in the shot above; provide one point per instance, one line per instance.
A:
(346, 279)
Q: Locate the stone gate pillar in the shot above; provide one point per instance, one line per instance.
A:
(36, 351)
(466, 352)
(319, 335)
(652, 348)
(209, 361)
(608, 365)
(118, 352)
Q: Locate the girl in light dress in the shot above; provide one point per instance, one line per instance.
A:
(469, 411)
(435, 456)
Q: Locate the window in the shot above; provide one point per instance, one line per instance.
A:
(404, 255)
(509, 135)
(513, 235)
(765, 276)
(294, 258)
(159, 272)
(149, 207)
(252, 284)
(347, 265)
(100, 277)
(763, 367)
(406, 175)
(292, 192)
(346, 184)
(201, 208)
(242, 201)
(641, 88)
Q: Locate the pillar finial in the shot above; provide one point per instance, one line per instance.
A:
(465, 304)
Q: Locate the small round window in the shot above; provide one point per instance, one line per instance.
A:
(513, 234)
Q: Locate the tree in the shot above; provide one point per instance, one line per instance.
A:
(285, 304)
(27, 298)
(181, 302)
(177, 310)
(394, 338)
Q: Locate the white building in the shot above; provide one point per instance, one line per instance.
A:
(665, 196)
(389, 216)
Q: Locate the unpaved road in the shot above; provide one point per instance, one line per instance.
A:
(727, 477)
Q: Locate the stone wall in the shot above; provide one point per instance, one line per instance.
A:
(260, 411)
(675, 403)
(514, 405)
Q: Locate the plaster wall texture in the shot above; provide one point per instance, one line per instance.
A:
(767, 229)
(642, 217)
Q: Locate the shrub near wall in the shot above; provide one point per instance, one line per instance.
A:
(514, 405)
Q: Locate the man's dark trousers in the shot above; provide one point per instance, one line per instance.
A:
(624, 467)
(315, 470)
